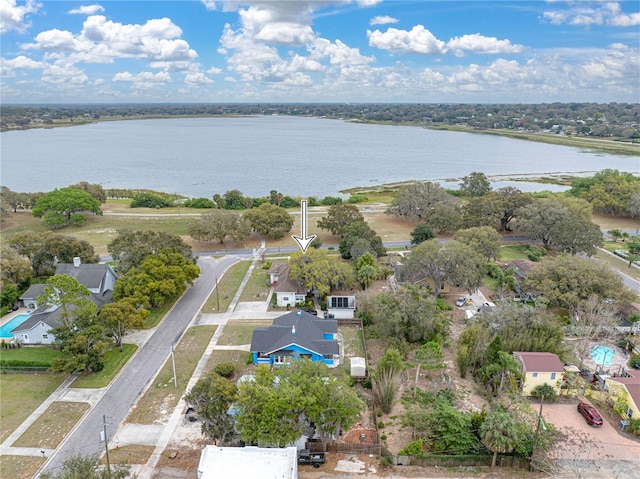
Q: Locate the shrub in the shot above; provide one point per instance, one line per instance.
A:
(200, 203)
(441, 305)
(77, 219)
(414, 448)
(226, 370)
(634, 427)
(545, 390)
(331, 200)
(357, 199)
(267, 264)
(381, 425)
(149, 200)
(634, 361)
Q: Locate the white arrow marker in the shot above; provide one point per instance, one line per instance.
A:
(303, 240)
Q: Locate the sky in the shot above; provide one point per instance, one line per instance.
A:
(319, 51)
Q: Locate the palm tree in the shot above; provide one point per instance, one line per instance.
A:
(503, 367)
(499, 432)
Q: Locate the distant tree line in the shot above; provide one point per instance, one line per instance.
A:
(584, 119)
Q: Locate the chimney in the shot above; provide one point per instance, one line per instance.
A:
(76, 262)
(293, 330)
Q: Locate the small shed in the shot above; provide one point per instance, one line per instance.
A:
(358, 367)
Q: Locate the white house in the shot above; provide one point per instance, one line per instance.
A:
(287, 291)
(248, 462)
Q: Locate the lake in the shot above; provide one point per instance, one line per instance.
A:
(199, 157)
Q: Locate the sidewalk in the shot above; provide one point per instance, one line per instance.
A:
(158, 435)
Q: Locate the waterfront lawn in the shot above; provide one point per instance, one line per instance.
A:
(114, 361)
(162, 396)
(56, 422)
(227, 287)
(20, 395)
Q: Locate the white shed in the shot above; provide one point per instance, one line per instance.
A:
(358, 367)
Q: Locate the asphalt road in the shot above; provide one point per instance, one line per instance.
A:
(132, 381)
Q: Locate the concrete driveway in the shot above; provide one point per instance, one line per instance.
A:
(611, 442)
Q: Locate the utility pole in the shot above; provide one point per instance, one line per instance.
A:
(217, 295)
(106, 443)
(535, 438)
(173, 361)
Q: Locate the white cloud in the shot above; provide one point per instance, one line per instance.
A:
(143, 80)
(368, 3)
(592, 13)
(480, 44)
(214, 71)
(197, 79)
(102, 41)
(87, 10)
(13, 16)
(8, 67)
(382, 20)
(209, 4)
(418, 40)
(64, 73)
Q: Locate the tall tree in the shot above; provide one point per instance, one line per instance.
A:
(454, 262)
(496, 208)
(591, 319)
(94, 190)
(159, 276)
(483, 239)
(270, 220)
(130, 248)
(219, 225)
(565, 281)
(354, 237)
(14, 268)
(475, 184)
(318, 271)
(65, 206)
(421, 233)
(499, 432)
(564, 223)
(121, 317)
(211, 397)
(339, 217)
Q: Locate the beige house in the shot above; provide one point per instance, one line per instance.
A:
(538, 369)
(626, 389)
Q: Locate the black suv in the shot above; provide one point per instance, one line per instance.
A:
(307, 457)
(309, 310)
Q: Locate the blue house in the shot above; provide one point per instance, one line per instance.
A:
(296, 335)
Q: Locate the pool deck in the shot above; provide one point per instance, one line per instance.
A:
(618, 362)
(8, 317)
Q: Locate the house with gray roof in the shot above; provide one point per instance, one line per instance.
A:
(99, 279)
(287, 291)
(296, 335)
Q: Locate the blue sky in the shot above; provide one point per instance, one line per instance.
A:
(421, 51)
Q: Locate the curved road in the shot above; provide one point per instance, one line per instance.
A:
(134, 378)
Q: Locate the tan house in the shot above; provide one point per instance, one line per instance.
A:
(626, 389)
(539, 368)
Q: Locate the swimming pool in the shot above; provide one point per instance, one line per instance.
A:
(5, 329)
(602, 355)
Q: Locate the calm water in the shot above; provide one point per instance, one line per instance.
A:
(298, 156)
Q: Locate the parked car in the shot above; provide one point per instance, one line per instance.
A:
(314, 458)
(462, 301)
(309, 310)
(590, 413)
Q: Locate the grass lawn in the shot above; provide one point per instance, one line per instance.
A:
(162, 396)
(257, 288)
(240, 331)
(20, 466)
(239, 358)
(114, 360)
(353, 347)
(227, 287)
(516, 251)
(41, 354)
(131, 454)
(618, 264)
(55, 423)
(156, 314)
(20, 395)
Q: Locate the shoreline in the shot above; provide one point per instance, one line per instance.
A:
(609, 146)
